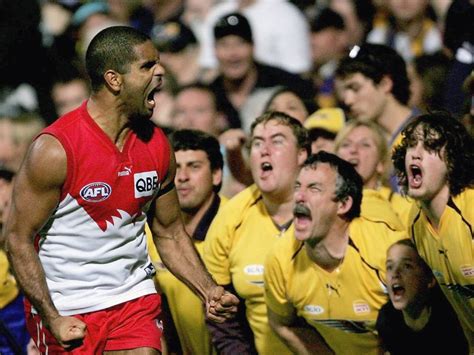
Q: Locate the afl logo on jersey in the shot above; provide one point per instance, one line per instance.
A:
(96, 192)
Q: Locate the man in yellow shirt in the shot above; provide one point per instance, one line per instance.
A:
(324, 288)
(198, 179)
(13, 334)
(247, 226)
(435, 164)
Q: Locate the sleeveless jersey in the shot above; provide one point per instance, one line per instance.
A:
(93, 248)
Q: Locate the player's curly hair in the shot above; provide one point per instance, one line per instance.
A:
(439, 130)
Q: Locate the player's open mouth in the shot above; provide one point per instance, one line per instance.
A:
(150, 99)
(354, 162)
(397, 290)
(302, 220)
(266, 166)
(301, 212)
(415, 176)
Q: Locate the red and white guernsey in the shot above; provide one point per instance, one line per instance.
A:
(93, 248)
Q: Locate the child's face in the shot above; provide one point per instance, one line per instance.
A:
(426, 171)
(407, 280)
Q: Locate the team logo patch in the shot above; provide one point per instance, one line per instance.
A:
(159, 324)
(150, 270)
(96, 192)
(361, 307)
(439, 276)
(254, 270)
(313, 309)
(145, 183)
(467, 271)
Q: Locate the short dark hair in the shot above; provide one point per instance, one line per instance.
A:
(348, 181)
(192, 139)
(410, 244)
(309, 105)
(300, 133)
(316, 133)
(376, 61)
(112, 48)
(432, 69)
(327, 18)
(201, 87)
(439, 130)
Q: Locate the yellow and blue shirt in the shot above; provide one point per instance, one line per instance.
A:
(449, 251)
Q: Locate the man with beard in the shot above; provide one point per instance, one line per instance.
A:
(325, 285)
(198, 179)
(76, 231)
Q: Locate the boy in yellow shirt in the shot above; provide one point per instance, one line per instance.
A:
(435, 165)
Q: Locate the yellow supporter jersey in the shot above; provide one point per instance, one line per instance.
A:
(376, 208)
(400, 204)
(186, 308)
(342, 305)
(8, 288)
(449, 252)
(234, 252)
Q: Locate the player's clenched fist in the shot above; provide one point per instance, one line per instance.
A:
(221, 305)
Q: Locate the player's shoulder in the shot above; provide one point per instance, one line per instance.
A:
(243, 200)
(376, 208)
(463, 204)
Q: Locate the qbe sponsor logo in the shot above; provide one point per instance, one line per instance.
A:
(145, 183)
(96, 192)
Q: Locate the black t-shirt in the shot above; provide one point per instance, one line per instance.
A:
(267, 77)
(442, 335)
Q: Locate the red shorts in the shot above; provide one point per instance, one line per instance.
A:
(130, 325)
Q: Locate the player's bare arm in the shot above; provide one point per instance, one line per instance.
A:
(300, 339)
(36, 194)
(179, 255)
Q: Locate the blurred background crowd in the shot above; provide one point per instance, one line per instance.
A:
(42, 44)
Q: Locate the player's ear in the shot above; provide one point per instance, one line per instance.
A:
(302, 155)
(344, 206)
(432, 282)
(216, 177)
(386, 84)
(113, 80)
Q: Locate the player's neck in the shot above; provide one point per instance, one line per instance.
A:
(238, 90)
(191, 218)
(393, 116)
(329, 251)
(280, 208)
(106, 116)
(435, 207)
